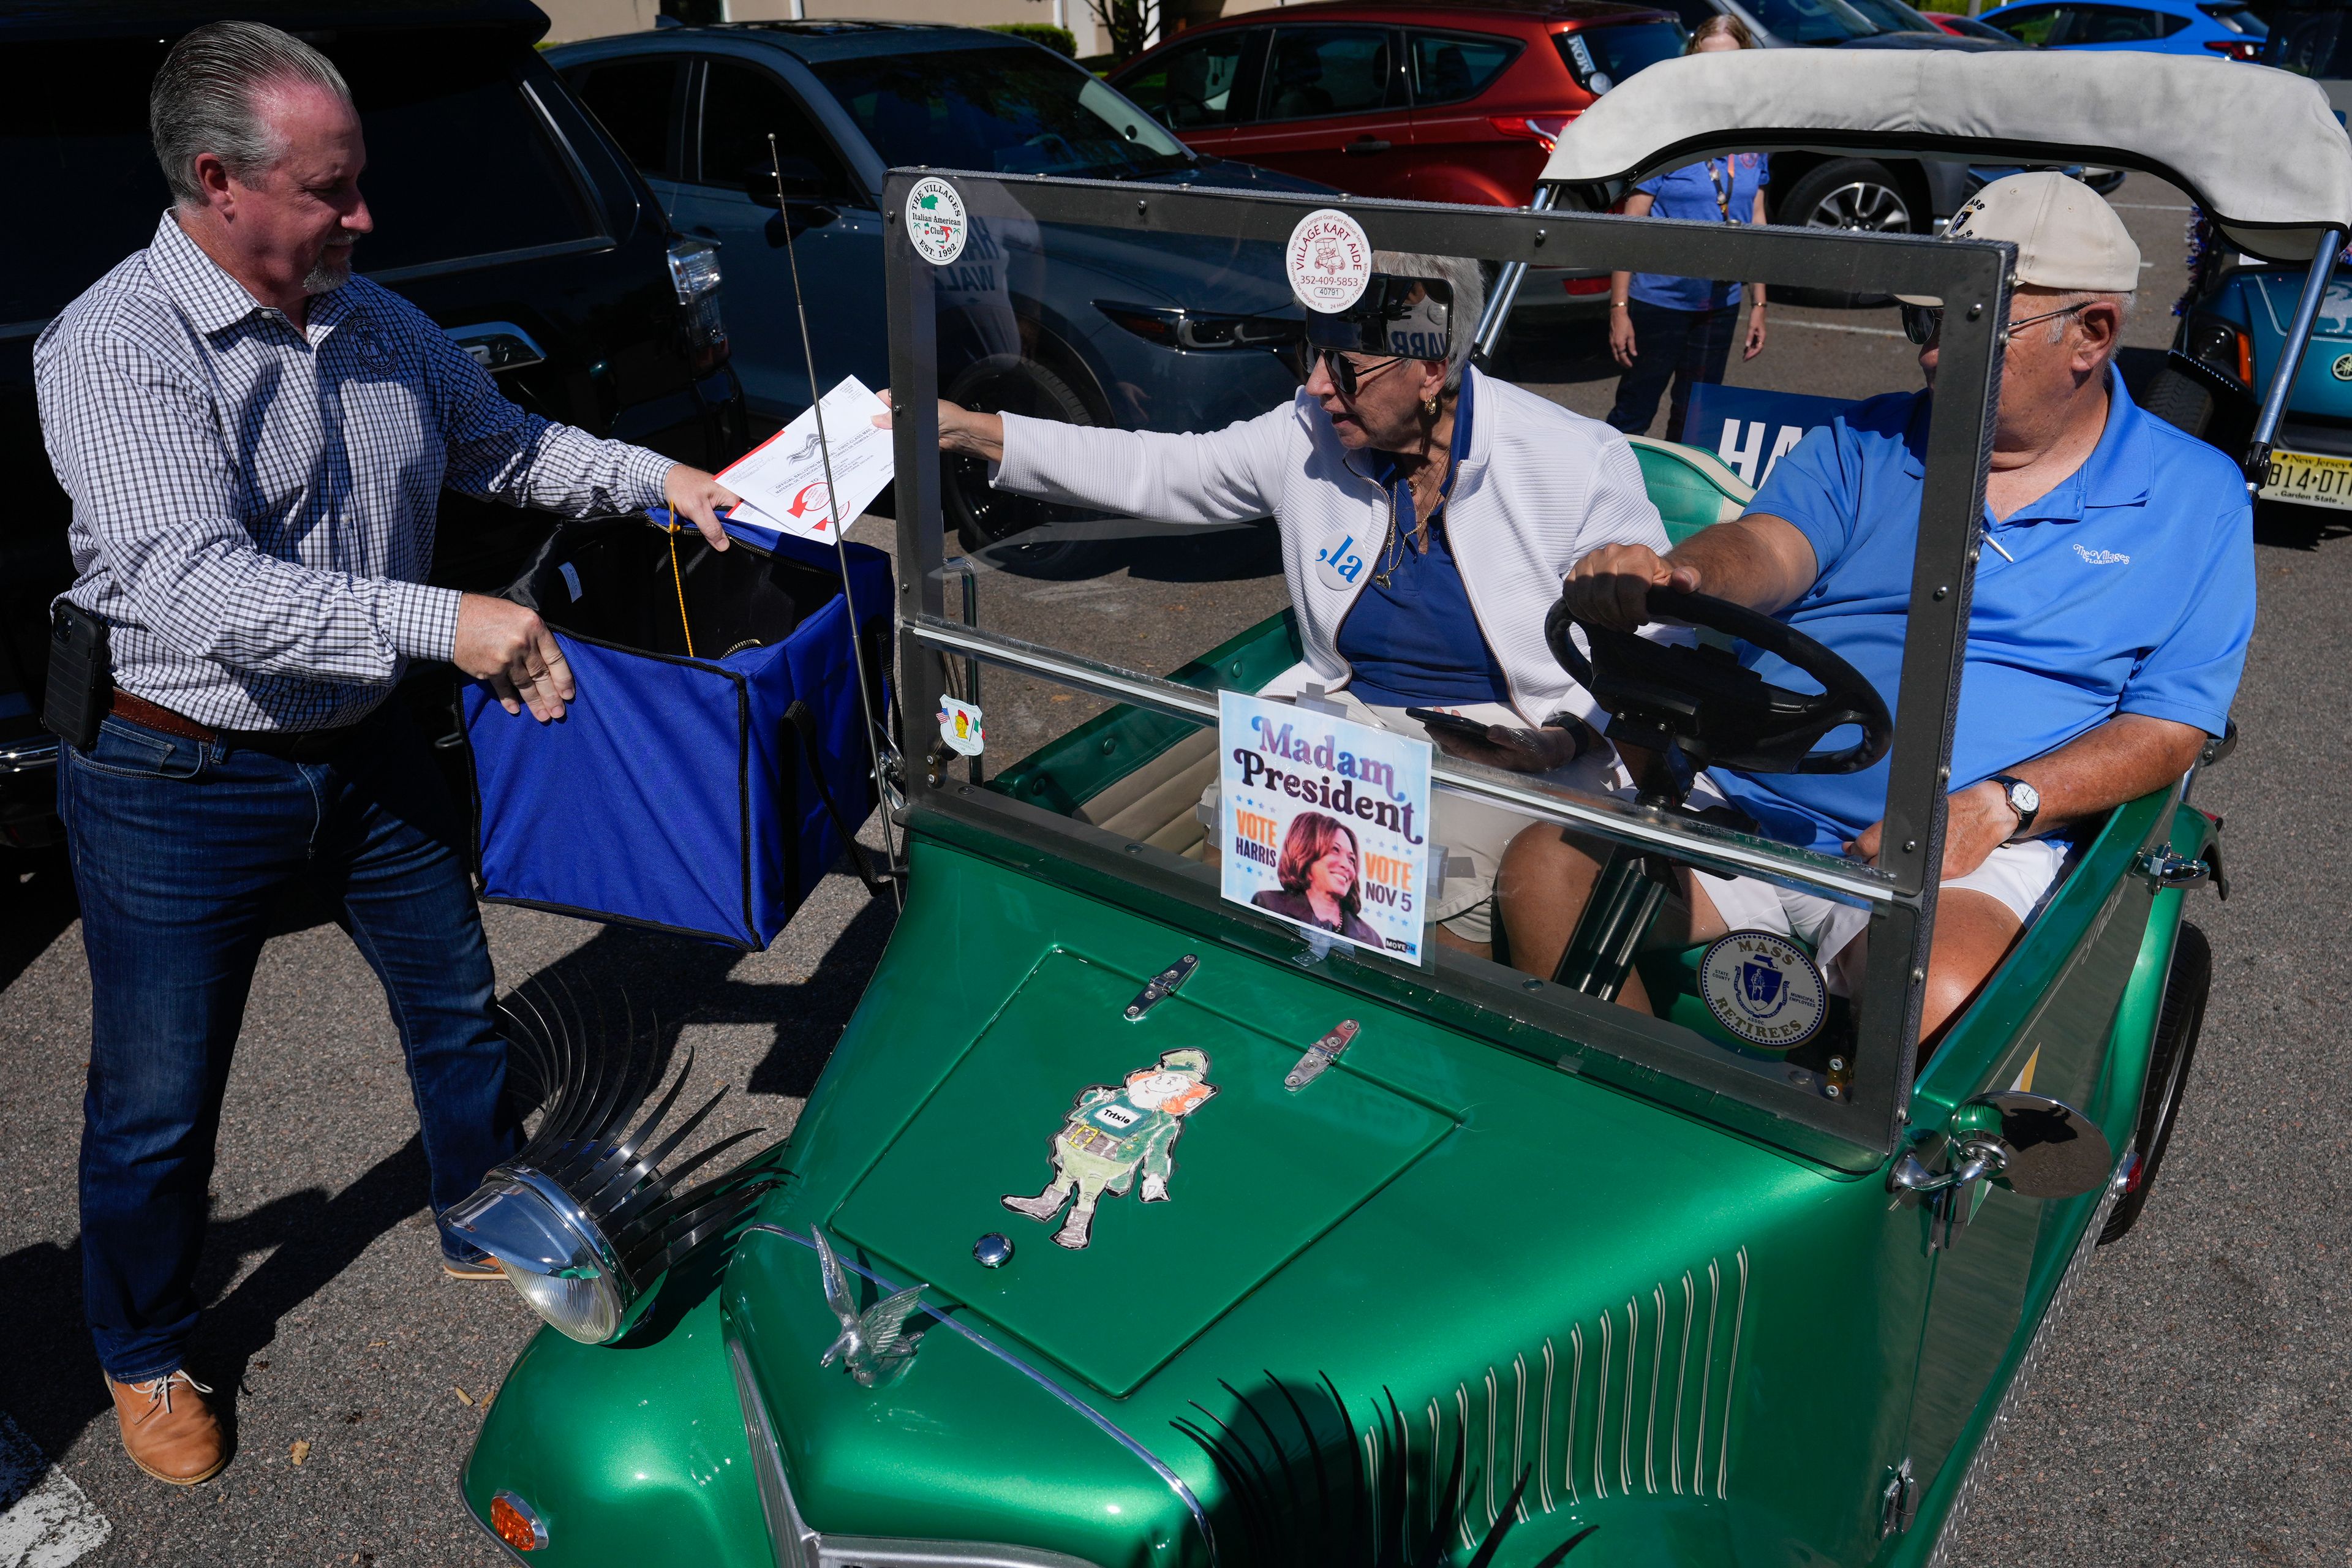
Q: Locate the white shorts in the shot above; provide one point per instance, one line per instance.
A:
(2016, 874)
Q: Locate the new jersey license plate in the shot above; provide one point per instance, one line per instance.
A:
(2310, 478)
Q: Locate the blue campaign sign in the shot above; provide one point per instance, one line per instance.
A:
(1751, 429)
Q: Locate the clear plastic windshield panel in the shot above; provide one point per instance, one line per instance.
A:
(1226, 565)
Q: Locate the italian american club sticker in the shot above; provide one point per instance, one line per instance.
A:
(1763, 989)
(936, 220)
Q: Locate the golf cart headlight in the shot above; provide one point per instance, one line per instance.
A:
(549, 1250)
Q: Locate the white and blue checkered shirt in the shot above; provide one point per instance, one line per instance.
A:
(254, 503)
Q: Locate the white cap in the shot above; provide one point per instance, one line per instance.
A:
(2066, 235)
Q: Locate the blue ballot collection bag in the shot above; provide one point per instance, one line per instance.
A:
(701, 792)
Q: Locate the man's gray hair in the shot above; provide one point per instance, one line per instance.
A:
(1469, 296)
(207, 99)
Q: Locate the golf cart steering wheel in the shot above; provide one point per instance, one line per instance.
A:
(1716, 710)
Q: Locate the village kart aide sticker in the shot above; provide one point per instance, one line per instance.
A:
(936, 221)
(1323, 822)
(1328, 260)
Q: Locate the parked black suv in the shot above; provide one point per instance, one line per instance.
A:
(502, 210)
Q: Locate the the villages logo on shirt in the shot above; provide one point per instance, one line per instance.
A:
(2102, 557)
(1328, 260)
(936, 220)
(1763, 989)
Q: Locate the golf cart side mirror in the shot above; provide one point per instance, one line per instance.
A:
(2035, 1146)
(802, 180)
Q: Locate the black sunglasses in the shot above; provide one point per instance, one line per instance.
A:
(1922, 322)
(1344, 374)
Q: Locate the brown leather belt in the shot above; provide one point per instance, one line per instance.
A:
(293, 745)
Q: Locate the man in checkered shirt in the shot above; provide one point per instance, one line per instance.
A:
(254, 442)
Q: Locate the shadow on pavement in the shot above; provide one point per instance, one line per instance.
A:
(50, 1381)
(682, 981)
(36, 907)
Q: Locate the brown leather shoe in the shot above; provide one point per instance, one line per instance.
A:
(168, 1429)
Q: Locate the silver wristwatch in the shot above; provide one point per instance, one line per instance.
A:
(2024, 799)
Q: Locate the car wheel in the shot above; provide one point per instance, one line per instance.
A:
(2177, 1025)
(992, 522)
(2175, 398)
(1856, 195)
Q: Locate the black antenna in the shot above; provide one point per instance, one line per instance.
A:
(874, 747)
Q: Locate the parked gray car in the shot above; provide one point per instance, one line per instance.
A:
(1141, 331)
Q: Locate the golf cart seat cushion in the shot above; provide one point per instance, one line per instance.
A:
(1691, 489)
(1155, 804)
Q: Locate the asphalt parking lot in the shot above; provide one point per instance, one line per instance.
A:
(2190, 1410)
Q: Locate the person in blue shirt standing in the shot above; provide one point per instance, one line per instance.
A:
(1660, 326)
(2114, 601)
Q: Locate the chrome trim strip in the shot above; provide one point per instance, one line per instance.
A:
(1461, 1518)
(1437, 1430)
(1625, 1422)
(1682, 1375)
(2061, 1299)
(1844, 880)
(33, 755)
(1101, 1421)
(1657, 1364)
(1519, 1431)
(1601, 1418)
(1543, 1450)
(1575, 1388)
(1731, 1381)
(1706, 1376)
(1491, 1392)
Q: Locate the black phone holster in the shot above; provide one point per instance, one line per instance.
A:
(81, 676)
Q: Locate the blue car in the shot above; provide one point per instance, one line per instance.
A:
(1142, 331)
(2228, 29)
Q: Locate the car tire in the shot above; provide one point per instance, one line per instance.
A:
(1856, 195)
(2175, 398)
(992, 522)
(2179, 1021)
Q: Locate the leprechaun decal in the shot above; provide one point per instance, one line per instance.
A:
(1112, 1132)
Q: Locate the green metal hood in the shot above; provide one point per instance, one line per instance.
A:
(1555, 1272)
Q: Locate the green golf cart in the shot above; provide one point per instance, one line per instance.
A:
(1430, 1259)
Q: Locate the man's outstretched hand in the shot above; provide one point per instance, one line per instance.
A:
(510, 647)
(1977, 821)
(697, 496)
(1611, 585)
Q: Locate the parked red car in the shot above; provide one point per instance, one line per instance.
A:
(1434, 102)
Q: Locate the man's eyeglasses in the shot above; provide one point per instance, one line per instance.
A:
(1344, 373)
(1922, 322)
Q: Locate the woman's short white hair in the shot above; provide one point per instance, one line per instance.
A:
(1469, 298)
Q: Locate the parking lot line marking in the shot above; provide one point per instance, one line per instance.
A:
(1840, 327)
(44, 1521)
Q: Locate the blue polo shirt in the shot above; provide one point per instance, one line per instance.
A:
(1689, 193)
(2132, 592)
(1414, 642)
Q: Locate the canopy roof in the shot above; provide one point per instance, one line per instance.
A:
(2260, 149)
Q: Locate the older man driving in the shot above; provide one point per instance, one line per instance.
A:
(2114, 600)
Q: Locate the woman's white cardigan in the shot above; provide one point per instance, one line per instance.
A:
(1540, 488)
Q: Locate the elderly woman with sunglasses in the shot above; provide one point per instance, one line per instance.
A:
(1429, 515)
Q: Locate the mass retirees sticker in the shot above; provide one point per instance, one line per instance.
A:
(936, 220)
(1763, 989)
(1329, 259)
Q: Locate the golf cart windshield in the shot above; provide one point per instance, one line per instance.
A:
(1112, 657)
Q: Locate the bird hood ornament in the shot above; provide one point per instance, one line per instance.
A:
(873, 1345)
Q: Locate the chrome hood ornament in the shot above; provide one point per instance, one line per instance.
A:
(873, 1345)
(582, 1221)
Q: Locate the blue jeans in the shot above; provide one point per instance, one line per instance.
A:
(1687, 346)
(180, 849)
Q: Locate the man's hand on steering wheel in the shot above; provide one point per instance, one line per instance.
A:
(1520, 751)
(1977, 821)
(1611, 585)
